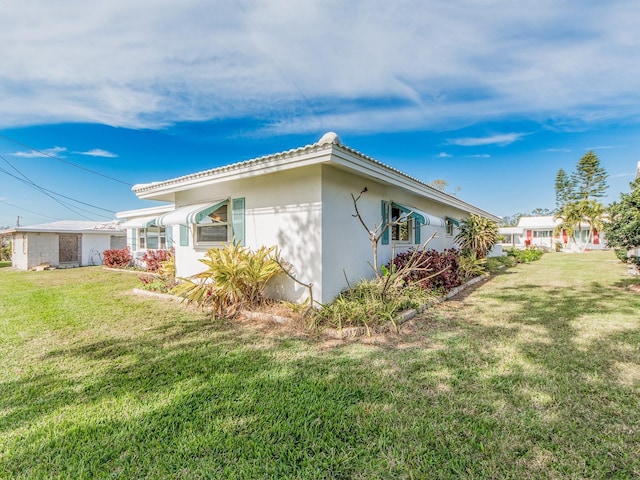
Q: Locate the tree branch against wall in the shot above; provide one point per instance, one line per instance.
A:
(377, 230)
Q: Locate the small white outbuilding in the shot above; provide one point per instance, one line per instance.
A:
(63, 244)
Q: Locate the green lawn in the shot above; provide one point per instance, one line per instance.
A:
(5, 264)
(534, 374)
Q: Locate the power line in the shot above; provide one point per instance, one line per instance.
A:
(37, 187)
(28, 211)
(49, 193)
(64, 161)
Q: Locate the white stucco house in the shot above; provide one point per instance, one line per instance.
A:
(299, 200)
(539, 231)
(63, 244)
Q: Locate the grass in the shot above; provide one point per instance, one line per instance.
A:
(5, 264)
(534, 374)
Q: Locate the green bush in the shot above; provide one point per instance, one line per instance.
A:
(622, 255)
(471, 265)
(494, 265)
(5, 252)
(369, 305)
(235, 278)
(477, 234)
(525, 256)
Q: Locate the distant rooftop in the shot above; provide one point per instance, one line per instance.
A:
(70, 226)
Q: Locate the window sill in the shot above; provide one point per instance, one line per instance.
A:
(204, 246)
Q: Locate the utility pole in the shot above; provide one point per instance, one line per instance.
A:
(18, 221)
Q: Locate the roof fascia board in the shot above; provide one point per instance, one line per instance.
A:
(309, 155)
(386, 174)
(142, 212)
(251, 168)
(34, 230)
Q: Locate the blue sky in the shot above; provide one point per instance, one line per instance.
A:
(490, 96)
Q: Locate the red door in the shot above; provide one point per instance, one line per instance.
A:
(527, 242)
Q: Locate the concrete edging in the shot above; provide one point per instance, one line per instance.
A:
(339, 333)
(404, 316)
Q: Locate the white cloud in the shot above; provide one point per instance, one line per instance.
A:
(602, 147)
(501, 139)
(560, 150)
(444, 155)
(431, 64)
(47, 152)
(98, 152)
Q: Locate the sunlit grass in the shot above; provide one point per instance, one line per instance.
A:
(535, 374)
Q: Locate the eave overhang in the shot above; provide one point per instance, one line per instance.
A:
(328, 151)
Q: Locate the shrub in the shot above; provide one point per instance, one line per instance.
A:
(117, 258)
(477, 234)
(472, 266)
(154, 258)
(622, 255)
(370, 304)
(235, 278)
(165, 278)
(5, 252)
(437, 270)
(525, 256)
(495, 264)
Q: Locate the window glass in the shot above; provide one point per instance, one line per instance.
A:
(214, 227)
(400, 232)
(449, 224)
(153, 238)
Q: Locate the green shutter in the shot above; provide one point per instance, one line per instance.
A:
(237, 216)
(134, 239)
(184, 236)
(417, 224)
(385, 221)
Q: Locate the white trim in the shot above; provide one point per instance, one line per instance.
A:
(139, 222)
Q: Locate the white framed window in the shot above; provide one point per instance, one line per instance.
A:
(152, 238)
(542, 233)
(214, 228)
(401, 225)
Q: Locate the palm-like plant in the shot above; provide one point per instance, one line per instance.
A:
(477, 234)
(235, 277)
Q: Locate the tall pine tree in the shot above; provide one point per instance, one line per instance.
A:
(576, 198)
(590, 179)
(564, 190)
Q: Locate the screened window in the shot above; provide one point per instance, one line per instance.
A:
(402, 225)
(214, 228)
(449, 227)
(152, 238)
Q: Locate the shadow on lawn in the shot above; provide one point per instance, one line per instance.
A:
(180, 402)
(199, 399)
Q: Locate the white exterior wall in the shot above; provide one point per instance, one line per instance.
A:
(31, 249)
(19, 251)
(283, 209)
(346, 245)
(93, 246)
